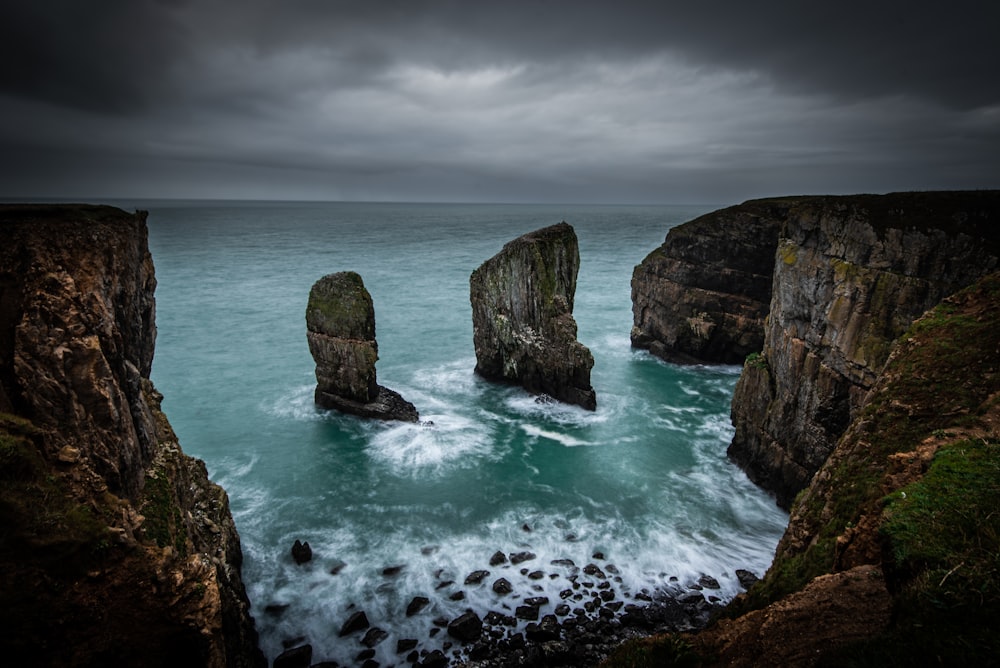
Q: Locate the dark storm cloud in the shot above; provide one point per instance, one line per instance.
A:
(447, 99)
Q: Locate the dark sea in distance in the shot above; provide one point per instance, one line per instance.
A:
(644, 479)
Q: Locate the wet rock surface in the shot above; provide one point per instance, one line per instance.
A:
(522, 316)
(583, 615)
(340, 324)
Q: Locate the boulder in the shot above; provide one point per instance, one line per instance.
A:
(466, 628)
(356, 622)
(522, 317)
(340, 324)
(297, 657)
(416, 605)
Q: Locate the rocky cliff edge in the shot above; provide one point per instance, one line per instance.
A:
(810, 292)
(117, 549)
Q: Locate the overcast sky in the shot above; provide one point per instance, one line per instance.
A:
(543, 101)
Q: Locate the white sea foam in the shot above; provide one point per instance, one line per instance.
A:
(564, 439)
(441, 440)
(296, 404)
(536, 407)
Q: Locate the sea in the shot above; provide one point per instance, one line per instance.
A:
(395, 511)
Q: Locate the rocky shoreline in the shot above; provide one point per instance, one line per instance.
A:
(594, 610)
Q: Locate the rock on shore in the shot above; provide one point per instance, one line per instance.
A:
(340, 322)
(522, 316)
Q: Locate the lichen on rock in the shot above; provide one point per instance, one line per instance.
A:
(340, 324)
(522, 316)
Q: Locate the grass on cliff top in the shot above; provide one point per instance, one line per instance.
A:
(942, 533)
(943, 376)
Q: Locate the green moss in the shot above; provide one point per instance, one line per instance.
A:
(340, 305)
(42, 520)
(163, 524)
(756, 361)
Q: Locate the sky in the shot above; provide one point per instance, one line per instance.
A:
(515, 101)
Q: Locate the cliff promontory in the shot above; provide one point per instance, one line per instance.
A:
(522, 317)
(890, 555)
(814, 290)
(703, 295)
(340, 328)
(850, 275)
(116, 548)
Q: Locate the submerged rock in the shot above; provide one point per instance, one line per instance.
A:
(522, 317)
(340, 322)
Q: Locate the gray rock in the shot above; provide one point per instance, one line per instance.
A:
(522, 317)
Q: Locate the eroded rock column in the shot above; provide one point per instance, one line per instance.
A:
(522, 317)
(340, 322)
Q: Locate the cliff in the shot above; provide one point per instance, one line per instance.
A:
(890, 556)
(850, 275)
(340, 329)
(813, 291)
(522, 317)
(117, 549)
(703, 295)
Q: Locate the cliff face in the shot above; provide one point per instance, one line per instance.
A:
(117, 549)
(903, 513)
(820, 287)
(703, 295)
(522, 316)
(850, 275)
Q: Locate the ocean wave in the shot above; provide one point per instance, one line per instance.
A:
(295, 404)
(564, 439)
(440, 441)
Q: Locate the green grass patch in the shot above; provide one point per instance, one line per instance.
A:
(163, 524)
(943, 532)
(756, 361)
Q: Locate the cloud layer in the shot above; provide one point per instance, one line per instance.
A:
(513, 101)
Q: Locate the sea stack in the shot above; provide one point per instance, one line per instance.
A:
(340, 322)
(522, 317)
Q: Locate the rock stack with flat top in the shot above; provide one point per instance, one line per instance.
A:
(522, 317)
(340, 322)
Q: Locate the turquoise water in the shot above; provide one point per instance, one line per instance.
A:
(644, 479)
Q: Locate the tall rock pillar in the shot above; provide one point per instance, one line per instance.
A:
(522, 317)
(340, 322)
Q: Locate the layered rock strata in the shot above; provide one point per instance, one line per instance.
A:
(850, 275)
(522, 317)
(819, 287)
(703, 295)
(893, 543)
(116, 549)
(340, 322)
